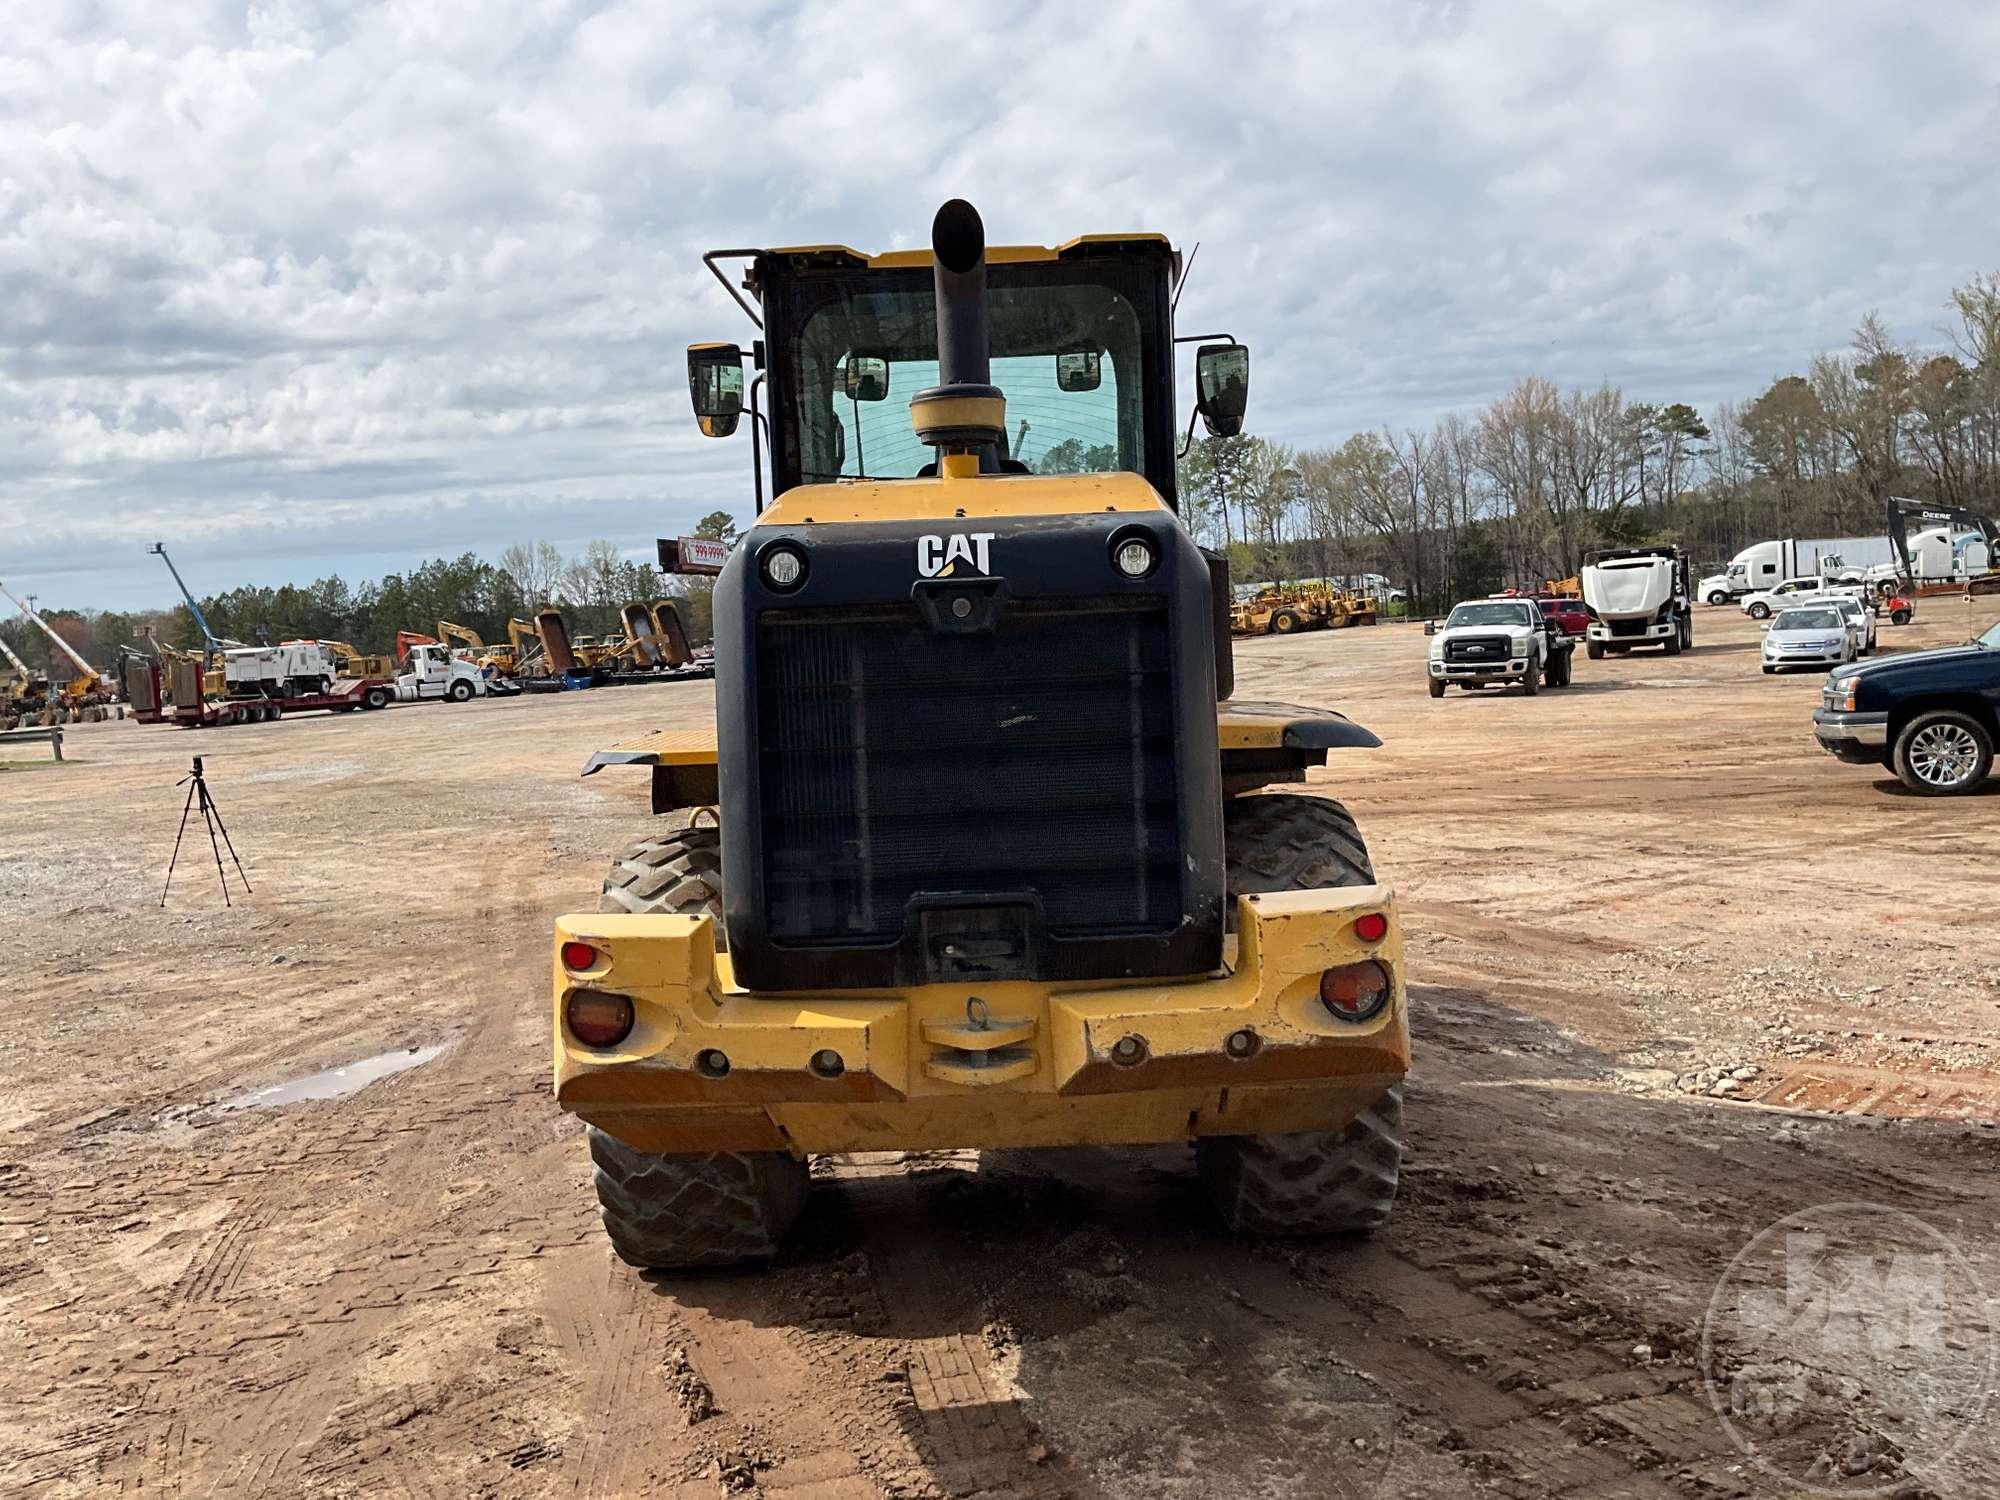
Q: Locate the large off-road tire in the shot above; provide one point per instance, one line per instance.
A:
(713, 1209)
(1331, 1182)
(1315, 1182)
(1285, 622)
(707, 1209)
(1899, 617)
(678, 873)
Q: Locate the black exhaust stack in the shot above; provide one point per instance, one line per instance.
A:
(964, 412)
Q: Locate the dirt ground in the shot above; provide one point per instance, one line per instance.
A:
(1620, 896)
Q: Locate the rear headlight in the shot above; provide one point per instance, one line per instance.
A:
(1355, 992)
(598, 1018)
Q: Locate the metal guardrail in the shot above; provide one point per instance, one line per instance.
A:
(53, 734)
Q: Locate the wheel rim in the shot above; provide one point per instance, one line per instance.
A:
(1943, 754)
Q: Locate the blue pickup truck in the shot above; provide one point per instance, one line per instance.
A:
(1932, 717)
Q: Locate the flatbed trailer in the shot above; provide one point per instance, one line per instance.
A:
(348, 694)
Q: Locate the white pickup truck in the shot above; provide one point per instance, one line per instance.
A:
(1492, 642)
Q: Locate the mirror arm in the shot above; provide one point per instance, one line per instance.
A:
(714, 270)
(1206, 338)
(1188, 441)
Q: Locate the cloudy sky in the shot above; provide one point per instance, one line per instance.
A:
(305, 286)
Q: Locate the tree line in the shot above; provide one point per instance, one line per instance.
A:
(590, 588)
(1514, 493)
(1518, 492)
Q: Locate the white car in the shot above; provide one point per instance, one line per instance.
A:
(1860, 619)
(1809, 635)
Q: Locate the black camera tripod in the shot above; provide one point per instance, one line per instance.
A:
(212, 816)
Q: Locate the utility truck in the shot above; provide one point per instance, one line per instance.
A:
(1637, 596)
(1494, 642)
(997, 863)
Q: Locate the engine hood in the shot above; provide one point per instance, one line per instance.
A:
(1452, 632)
(1888, 664)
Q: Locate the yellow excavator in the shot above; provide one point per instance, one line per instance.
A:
(990, 857)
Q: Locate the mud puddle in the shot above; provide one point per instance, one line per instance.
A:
(336, 1083)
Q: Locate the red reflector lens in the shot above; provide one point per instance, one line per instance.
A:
(1355, 992)
(598, 1018)
(1371, 927)
(579, 956)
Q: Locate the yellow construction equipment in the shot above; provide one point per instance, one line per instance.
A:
(85, 694)
(1005, 866)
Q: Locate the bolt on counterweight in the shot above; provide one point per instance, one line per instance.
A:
(211, 815)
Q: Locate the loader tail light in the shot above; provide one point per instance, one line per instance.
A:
(578, 956)
(598, 1018)
(1371, 927)
(1355, 992)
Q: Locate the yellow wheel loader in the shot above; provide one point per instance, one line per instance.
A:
(980, 853)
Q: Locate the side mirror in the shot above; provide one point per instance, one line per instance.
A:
(867, 377)
(1222, 387)
(715, 383)
(1081, 370)
(1430, 627)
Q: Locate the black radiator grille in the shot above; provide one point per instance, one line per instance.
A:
(1477, 648)
(1033, 759)
(1627, 627)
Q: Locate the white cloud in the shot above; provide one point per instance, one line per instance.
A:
(313, 285)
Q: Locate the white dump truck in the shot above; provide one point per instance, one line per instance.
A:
(1637, 596)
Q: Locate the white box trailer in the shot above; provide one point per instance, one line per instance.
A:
(1765, 565)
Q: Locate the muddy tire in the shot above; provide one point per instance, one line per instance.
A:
(705, 1209)
(676, 874)
(712, 1209)
(1316, 1182)
(1285, 622)
(1323, 1182)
